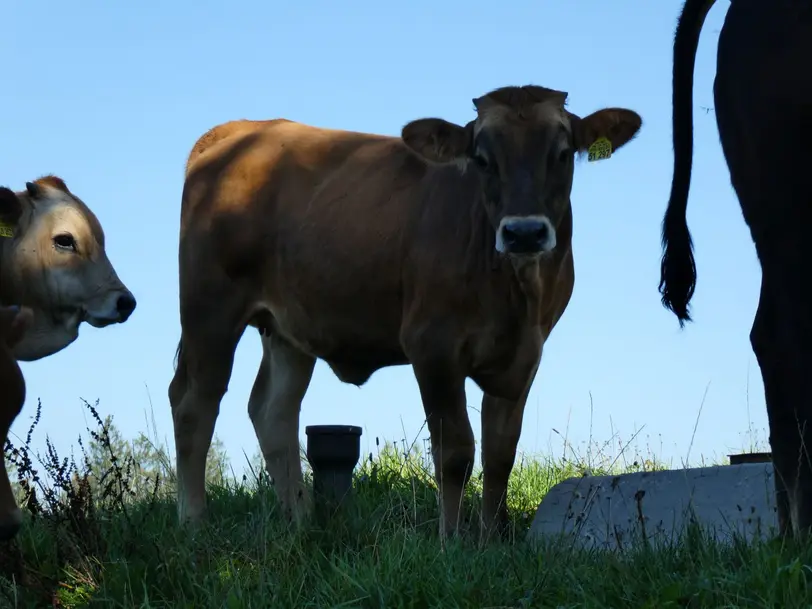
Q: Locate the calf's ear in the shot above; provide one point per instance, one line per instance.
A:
(10, 206)
(437, 140)
(604, 131)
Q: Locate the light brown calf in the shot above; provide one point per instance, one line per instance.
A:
(53, 260)
(14, 322)
(448, 248)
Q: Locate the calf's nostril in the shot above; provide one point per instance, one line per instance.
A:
(125, 305)
(525, 232)
(509, 234)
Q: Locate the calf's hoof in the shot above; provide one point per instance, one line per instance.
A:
(191, 518)
(495, 531)
(298, 509)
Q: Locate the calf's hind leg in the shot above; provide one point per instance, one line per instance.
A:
(205, 361)
(274, 406)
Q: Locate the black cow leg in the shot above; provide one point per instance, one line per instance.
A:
(782, 341)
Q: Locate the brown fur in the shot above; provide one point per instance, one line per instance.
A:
(370, 251)
(221, 132)
(52, 180)
(521, 100)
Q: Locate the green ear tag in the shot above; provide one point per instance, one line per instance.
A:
(600, 149)
(6, 230)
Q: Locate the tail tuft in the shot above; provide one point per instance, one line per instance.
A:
(678, 267)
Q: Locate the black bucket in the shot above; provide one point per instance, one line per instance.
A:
(333, 452)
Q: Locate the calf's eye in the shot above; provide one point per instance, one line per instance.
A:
(480, 160)
(65, 241)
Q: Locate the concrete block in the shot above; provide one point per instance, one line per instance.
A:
(614, 512)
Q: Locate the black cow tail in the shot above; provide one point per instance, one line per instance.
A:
(678, 268)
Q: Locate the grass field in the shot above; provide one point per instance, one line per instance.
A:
(111, 540)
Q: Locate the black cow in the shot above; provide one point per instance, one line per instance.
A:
(763, 98)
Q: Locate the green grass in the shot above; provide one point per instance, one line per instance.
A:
(114, 543)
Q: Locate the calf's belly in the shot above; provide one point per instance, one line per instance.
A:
(354, 345)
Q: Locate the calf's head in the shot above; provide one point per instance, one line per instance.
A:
(522, 145)
(53, 260)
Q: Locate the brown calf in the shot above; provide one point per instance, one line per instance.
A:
(53, 260)
(763, 101)
(53, 263)
(14, 322)
(448, 248)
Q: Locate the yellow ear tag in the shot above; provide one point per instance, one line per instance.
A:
(6, 230)
(600, 149)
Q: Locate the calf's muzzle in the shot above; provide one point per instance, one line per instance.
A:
(125, 305)
(525, 235)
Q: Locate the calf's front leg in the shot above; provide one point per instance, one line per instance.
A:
(501, 428)
(442, 389)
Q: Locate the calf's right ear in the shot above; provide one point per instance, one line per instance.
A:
(10, 206)
(437, 140)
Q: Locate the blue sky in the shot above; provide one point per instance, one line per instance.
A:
(111, 97)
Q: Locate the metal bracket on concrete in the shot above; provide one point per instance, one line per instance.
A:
(617, 512)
